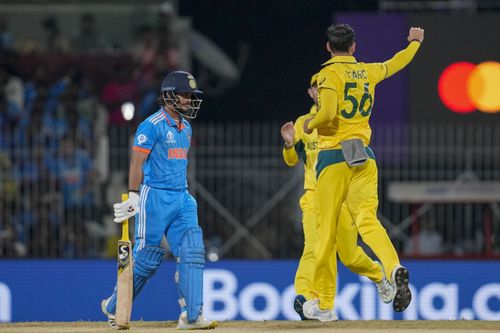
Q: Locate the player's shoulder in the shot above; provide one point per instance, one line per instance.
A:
(373, 65)
(326, 71)
(155, 118)
(376, 70)
(300, 119)
(148, 125)
(328, 77)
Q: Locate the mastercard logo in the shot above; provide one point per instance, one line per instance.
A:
(466, 87)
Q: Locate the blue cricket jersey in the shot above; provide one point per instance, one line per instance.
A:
(167, 146)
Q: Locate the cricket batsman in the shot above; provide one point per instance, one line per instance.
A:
(158, 194)
(346, 170)
(303, 146)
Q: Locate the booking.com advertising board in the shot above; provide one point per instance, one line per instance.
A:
(42, 290)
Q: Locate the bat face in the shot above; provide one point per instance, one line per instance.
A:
(124, 284)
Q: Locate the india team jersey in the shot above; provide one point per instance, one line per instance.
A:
(306, 148)
(354, 82)
(167, 146)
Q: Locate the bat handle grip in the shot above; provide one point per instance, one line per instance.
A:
(125, 223)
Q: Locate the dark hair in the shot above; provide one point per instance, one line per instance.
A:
(340, 37)
(160, 100)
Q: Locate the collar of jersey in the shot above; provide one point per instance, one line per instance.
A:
(171, 121)
(341, 59)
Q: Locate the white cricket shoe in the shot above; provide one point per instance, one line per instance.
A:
(401, 279)
(111, 317)
(200, 324)
(312, 311)
(385, 289)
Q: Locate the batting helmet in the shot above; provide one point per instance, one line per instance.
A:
(180, 82)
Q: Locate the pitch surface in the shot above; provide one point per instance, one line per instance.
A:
(461, 326)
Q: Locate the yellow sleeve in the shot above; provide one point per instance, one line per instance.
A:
(327, 110)
(290, 155)
(401, 59)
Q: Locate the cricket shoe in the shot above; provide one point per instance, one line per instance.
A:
(298, 306)
(200, 324)
(385, 289)
(111, 317)
(401, 278)
(312, 311)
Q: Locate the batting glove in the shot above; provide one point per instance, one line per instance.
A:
(126, 209)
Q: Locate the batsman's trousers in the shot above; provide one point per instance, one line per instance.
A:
(336, 183)
(164, 212)
(351, 255)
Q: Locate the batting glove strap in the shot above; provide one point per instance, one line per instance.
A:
(126, 209)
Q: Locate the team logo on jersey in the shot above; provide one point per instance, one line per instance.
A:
(170, 137)
(142, 138)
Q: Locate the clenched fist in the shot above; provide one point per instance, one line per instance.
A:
(288, 133)
(416, 34)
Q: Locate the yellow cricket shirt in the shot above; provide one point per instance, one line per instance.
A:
(346, 92)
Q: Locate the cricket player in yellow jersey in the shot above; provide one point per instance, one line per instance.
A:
(346, 170)
(299, 145)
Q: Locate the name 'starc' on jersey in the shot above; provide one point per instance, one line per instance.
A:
(354, 75)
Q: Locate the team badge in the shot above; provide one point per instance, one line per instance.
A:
(142, 138)
(192, 83)
(170, 137)
(123, 255)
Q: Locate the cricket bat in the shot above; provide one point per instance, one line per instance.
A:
(125, 277)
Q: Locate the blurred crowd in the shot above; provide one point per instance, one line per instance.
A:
(61, 105)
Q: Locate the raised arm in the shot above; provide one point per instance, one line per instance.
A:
(288, 134)
(403, 57)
